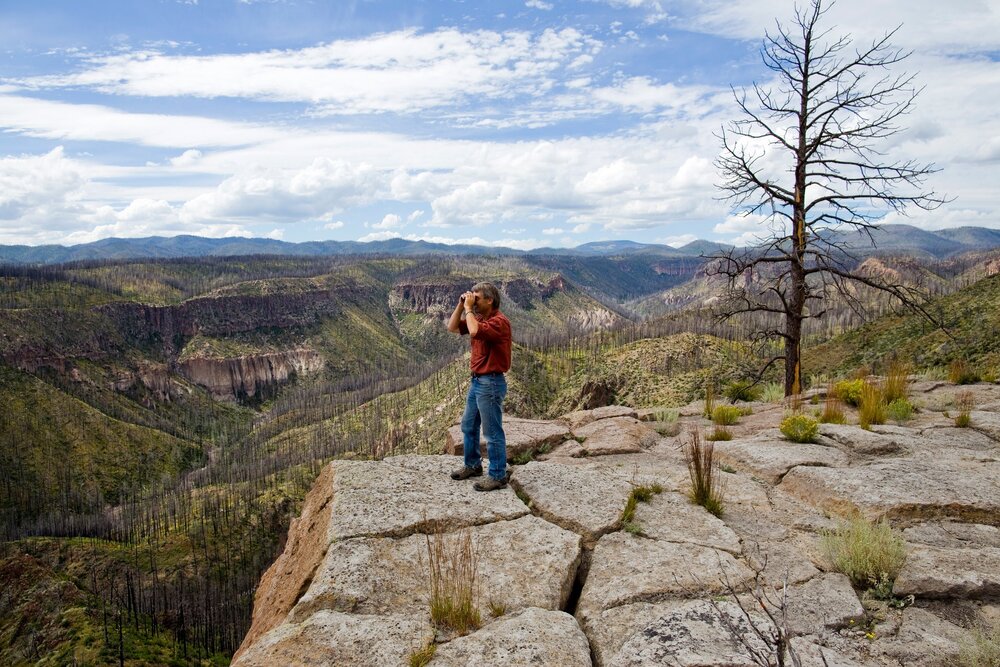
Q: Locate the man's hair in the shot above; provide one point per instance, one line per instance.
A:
(489, 291)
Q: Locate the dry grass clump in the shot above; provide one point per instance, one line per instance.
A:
(452, 565)
(981, 649)
(719, 433)
(706, 487)
(870, 553)
(833, 409)
(897, 382)
(422, 656)
(964, 401)
(726, 415)
(871, 406)
(959, 372)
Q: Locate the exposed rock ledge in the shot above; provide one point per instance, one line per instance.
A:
(577, 589)
(245, 376)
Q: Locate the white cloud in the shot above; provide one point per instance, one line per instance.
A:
(187, 158)
(538, 4)
(678, 241)
(389, 221)
(748, 230)
(415, 215)
(90, 122)
(400, 72)
(379, 236)
(337, 224)
(553, 231)
(581, 228)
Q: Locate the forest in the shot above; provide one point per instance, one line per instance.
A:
(163, 419)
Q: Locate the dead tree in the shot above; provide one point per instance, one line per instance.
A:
(806, 156)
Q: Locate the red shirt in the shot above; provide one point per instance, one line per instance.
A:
(490, 345)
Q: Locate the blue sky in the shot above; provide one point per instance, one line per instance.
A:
(525, 124)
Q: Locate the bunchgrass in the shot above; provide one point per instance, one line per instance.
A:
(871, 406)
(497, 607)
(900, 410)
(719, 433)
(981, 648)
(422, 656)
(642, 493)
(709, 399)
(706, 487)
(833, 409)
(964, 401)
(772, 391)
(959, 372)
(897, 382)
(741, 390)
(726, 415)
(453, 563)
(870, 553)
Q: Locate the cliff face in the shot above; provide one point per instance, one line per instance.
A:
(567, 579)
(245, 376)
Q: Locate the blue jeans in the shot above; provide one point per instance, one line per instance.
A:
(484, 408)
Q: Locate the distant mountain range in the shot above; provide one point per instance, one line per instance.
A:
(895, 239)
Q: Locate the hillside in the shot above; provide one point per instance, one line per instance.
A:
(971, 317)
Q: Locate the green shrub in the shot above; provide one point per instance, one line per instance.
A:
(725, 415)
(741, 390)
(870, 554)
(799, 428)
(640, 494)
(900, 410)
(871, 407)
(981, 648)
(849, 391)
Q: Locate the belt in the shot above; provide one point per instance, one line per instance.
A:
(479, 375)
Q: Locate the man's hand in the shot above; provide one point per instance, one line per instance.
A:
(469, 300)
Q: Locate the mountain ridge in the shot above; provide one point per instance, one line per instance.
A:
(892, 238)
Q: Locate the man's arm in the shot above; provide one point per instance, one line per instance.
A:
(456, 317)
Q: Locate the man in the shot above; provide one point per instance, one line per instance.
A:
(478, 315)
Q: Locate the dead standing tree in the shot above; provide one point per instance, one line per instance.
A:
(805, 156)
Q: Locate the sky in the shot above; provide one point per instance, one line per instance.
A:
(524, 124)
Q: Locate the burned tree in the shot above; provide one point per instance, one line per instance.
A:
(806, 157)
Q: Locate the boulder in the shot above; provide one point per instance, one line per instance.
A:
(935, 572)
(332, 638)
(912, 489)
(680, 633)
(954, 535)
(827, 601)
(814, 655)
(616, 435)
(531, 638)
(625, 569)
(867, 443)
(770, 459)
(386, 499)
(580, 418)
(586, 500)
(923, 640)
(386, 576)
(523, 435)
(672, 517)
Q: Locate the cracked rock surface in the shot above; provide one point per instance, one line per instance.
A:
(562, 578)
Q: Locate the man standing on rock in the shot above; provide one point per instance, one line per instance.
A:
(478, 314)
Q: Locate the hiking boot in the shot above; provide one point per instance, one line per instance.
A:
(489, 484)
(465, 472)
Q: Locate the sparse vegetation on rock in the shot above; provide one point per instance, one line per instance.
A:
(703, 470)
(799, 428)
(870, 553)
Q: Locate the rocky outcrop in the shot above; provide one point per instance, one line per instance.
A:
(564, 578)
(246, 376)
